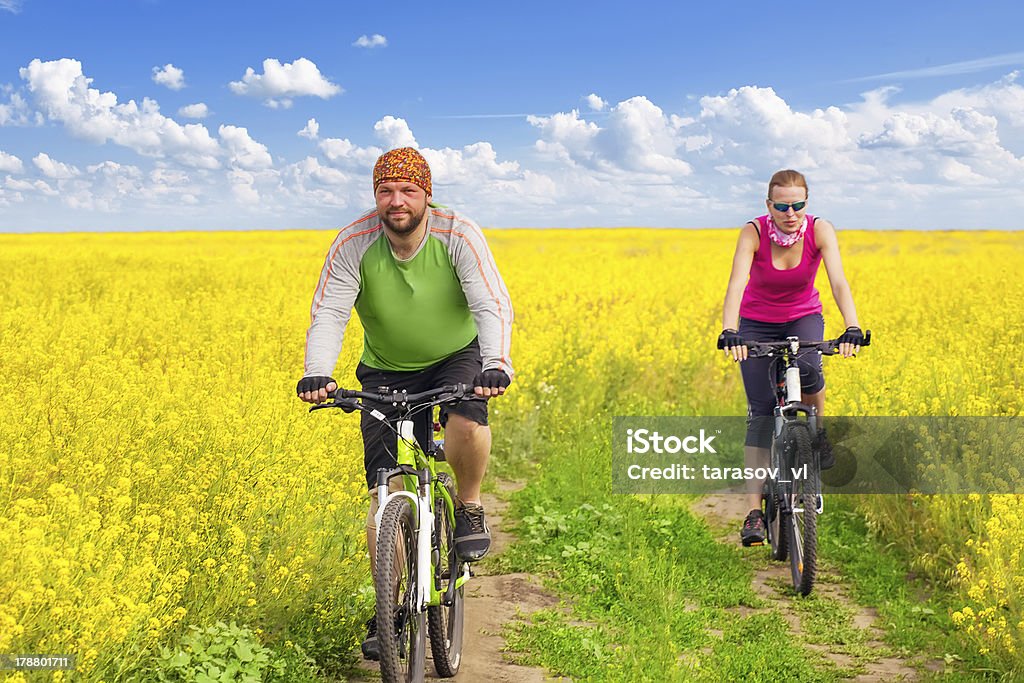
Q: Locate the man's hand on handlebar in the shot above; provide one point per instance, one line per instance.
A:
(491, 383)
(314, 389)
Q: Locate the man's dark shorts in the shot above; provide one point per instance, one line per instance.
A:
(379, 442)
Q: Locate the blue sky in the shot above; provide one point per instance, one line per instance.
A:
(534, 114)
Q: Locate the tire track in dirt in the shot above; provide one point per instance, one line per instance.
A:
(724, 514)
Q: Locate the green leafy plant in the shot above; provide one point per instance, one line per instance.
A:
(222, 652)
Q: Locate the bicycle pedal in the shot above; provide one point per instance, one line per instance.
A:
(756, 544)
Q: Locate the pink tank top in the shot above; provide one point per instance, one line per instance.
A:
(779, 296)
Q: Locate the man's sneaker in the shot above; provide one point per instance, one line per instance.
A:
(472, 537)
(823, 446)
(371, 650)
(753, 531)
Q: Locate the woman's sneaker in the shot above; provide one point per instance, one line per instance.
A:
(753, 531)
(826, 457)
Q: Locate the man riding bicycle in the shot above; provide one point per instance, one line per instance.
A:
(435, 311)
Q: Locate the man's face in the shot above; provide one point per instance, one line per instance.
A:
(401, 206)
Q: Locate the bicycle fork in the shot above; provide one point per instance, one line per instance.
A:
(420, 503)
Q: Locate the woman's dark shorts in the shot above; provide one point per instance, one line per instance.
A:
(760, 384)
(379, 442)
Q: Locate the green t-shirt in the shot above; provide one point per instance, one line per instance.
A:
(414, 312)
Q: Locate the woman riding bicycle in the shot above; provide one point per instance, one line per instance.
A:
(771, 296)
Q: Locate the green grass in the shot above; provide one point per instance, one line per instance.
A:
(652, 595)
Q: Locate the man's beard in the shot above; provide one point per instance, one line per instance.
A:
(410, 222)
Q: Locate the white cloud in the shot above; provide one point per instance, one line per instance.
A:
(194, 111)
(948, 161)
(109, 186)
(10, 163)
(16, 112)
(376, 40)
(759, 116)
(567, 137)
(342, 152)
(12, 6)
(639, 139)
(280, 82)
(596, 103)
(62, 92)
(1003, 99)
(314, 184)
(244, 152)
(465, 176)
(54, 169)
(311, 130)
(40, 186)
(394, 132)
(243, 187)
(476, 163)
(170, 76)
(734, 170)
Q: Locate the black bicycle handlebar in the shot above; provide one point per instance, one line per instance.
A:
(348, 399)
(394, 397)
(757, 349)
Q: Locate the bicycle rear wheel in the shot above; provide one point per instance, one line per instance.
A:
(804, 520)
(445, 622)
(400, 625)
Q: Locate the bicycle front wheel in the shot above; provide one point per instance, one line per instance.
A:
(803, 552)
(445, 622)
(400, 624)
(777, 519)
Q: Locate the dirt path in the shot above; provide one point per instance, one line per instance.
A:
(772, 582)
(493, 600)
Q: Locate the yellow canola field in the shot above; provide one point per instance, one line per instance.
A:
(157, 471)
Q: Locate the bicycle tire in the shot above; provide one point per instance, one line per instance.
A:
(445, 622)
(776, 520)
(803, 535)
(401, 632)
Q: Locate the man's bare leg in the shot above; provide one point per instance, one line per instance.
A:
(467, 448)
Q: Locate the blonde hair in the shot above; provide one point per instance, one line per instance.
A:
(787, 178)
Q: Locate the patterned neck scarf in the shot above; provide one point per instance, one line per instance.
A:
(782, 239)
(404, 163)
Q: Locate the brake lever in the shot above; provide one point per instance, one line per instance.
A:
(348, 405)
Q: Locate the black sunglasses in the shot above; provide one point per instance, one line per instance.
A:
(783, 208)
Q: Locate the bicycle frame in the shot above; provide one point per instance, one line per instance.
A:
(789, 393)
(419, 474)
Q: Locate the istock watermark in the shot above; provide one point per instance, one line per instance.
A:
(646, 441)
(932, 455)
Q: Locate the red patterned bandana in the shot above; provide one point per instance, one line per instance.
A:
(404, 163)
